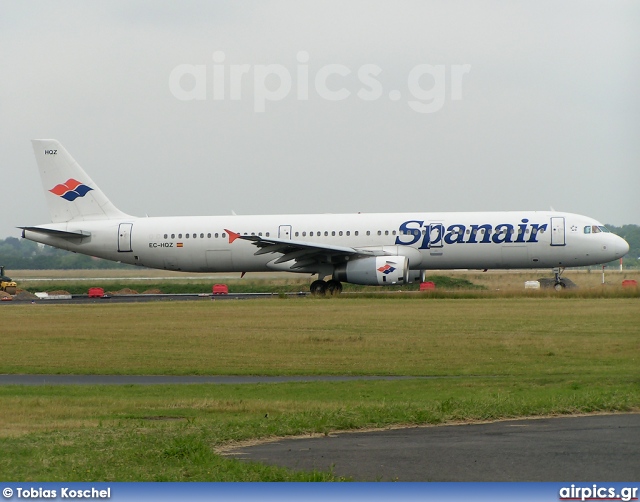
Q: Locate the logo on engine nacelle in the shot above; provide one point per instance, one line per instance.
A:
(387, 269)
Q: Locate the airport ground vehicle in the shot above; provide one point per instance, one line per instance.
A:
(6, 284)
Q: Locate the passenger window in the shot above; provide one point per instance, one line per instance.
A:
(326, 233)
(355, 233)
(165, 236)
(386, 232)
(304, 234)
(173, 236)
(202, 236)
(340, 233)
(333, 232)
(348, 233)
(393, 233)
(379, 232)
(216, 235)
(368, 232)
(179, 236)
(223, 235)
(208, 236)
(186, 236)
(296, 234)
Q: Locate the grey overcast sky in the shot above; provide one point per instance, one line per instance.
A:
(530, 105)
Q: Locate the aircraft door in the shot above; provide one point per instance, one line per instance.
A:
(284, 232)
(557, 231)
(124, 237)
(436, 235)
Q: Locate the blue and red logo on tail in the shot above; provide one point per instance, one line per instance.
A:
(71, 190)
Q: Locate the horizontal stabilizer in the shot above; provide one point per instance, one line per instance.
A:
(77, 234)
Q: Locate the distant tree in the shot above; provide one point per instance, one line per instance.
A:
(23, 254)
(631, 234)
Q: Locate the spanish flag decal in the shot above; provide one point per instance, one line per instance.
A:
(179, 245)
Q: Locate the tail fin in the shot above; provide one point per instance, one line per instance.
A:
(71, 194)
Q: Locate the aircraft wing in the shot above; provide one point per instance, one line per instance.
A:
(305, 254)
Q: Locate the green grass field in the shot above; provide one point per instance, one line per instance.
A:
(493, 358)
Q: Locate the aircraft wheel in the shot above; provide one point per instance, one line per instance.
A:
(318, 288)
(334, 287)
(11, 290)
(559, 286)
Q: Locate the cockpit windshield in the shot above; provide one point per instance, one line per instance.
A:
(594, 229)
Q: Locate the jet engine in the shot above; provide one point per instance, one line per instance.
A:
(374, 271)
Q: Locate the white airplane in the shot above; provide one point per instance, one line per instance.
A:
(373, 249)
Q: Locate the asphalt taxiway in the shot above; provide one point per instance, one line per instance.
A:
(585, 448)
(8, 379)
(139, 298)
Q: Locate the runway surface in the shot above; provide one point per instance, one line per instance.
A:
(588, 448)
(141, 298)
(177, 379)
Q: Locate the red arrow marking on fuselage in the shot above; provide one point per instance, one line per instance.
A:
(232, 235)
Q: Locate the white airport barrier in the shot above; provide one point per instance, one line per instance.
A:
(532, 285)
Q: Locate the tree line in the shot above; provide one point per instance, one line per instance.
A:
(22, 254)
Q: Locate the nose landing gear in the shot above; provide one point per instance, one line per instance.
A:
(559, 283)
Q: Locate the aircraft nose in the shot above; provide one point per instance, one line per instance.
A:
(622, 247)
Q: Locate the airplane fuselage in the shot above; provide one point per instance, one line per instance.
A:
(429, 240)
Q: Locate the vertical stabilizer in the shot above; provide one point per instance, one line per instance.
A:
(71, 194)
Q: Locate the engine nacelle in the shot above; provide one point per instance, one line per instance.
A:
(374, 271)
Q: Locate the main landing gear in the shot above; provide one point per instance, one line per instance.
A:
(321, 288)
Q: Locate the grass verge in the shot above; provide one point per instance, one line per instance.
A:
(497, 358)
(344, 336)
(172, 433)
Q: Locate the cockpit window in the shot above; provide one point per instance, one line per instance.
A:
(595, 229)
